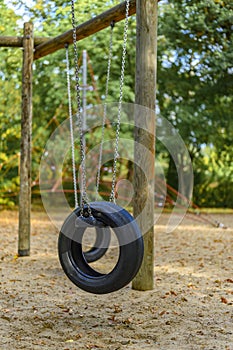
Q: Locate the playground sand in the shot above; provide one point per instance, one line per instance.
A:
(191, 306)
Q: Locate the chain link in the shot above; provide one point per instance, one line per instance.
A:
(71, 126)
(116, 155)
(105, 110)
(84, 198)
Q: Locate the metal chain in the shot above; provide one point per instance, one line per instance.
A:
(84, 198)
(71, 126)
(116, 155)
(105, 110)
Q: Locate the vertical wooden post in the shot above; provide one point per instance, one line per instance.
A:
(25, 156)
(146, 57)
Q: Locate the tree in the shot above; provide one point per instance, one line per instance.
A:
(195, 75)
(194, 82)
(50, 108)
(10, 87)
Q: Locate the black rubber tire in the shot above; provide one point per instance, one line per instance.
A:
(103, 237)
(131, 249)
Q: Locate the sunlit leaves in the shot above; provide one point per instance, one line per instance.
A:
(194, 75)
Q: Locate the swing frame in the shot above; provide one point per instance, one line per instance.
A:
(145, 95)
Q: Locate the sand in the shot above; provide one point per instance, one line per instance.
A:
(191, 306)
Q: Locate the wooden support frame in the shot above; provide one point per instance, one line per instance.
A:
(25, 155)
(144, 169)
(14, 41)
(94, 25)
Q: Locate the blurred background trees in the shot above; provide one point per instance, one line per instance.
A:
(195, 86)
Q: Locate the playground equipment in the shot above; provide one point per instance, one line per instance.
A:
(100, 215)
(35, 48)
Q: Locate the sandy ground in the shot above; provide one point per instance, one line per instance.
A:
(191, 306)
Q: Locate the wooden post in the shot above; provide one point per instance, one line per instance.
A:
(25, 156)
(146, 57)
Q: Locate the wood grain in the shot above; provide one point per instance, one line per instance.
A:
(145, 95)
(25, 147)
(94, 25)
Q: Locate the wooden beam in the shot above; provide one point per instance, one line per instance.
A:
(25, 155)
(144, 170)
(85, 29)
(14, 41)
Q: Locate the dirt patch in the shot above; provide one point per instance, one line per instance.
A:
(191, 306)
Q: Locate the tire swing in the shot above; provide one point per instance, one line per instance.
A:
(103, 216)
(74, 262)
(100, 247)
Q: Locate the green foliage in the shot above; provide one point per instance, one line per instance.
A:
(194, 85)
(10, 112)
(215, 189)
